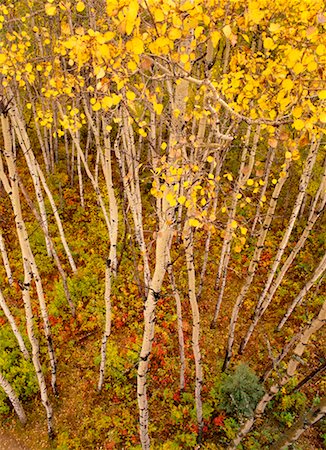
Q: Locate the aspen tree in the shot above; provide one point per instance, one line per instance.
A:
(52, 247)
(18, 407)
(316, 211)
(3, 250)
(253, 266)
(262, 304)
(30, 271)
(317, 323)
(27, 254)
(319, 271)
(13, 325)
(38, 176)
(306, 420)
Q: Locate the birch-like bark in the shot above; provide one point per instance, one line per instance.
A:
(11, 394)
(129, 163)
(29, 271)
(304, 181)
(253, 264)
(27, 254)
(319, 271)
(244, 175)
(180, 324)
(189, 251)
(163, 243)
(111, 263)
(268, 167)
(24, 142)
(306, 420)
(313, 328)
(4, 253)
(53, 250)
(89, 173)
(13, 325)
(315, 212)
(37, 175)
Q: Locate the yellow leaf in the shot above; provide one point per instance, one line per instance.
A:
(194, 222)
(130, 95)
(96, 106)
(250, 182)
(159, 15)
(297, 112)
(171, 199)
(274, 180)
(322, 117)
(322, 95)
(227, 31)
(298, 124)
(131, 16)
(287, 84)
(181, 199)
(158, 108)
(321, 50)
(269, 44)
(174, 34)
(298, 68)
(210, 159)
(234, 224)
(135, 46)
(184, 58)
(50, 10)
(215, 38)
(243, 230)
(80, 7)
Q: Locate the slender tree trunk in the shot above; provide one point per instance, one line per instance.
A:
(304, 181)
(253, 265)
(111, 263)
(315, 326)
(180, 324)
(29, 271)
(162, 250)
(189, 251)
(13, 325)
(53, 250)
(27, 253)
(18, 407)
(4, 253)
(306, 420)
(320, 269)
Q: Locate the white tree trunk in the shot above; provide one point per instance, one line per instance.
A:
(315, 326)
(303, 184)
(13, 325)
(4, 255)
(18, 407)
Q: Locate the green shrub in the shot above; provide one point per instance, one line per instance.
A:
(241, 391)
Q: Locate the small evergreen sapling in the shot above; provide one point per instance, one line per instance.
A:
(241, 391)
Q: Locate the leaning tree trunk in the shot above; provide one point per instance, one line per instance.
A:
(320, 269)
(13, 325)
(315, 326)
(306, 420)
(253, 265)
(27, 254)
(28, 262)
(18, 407)
(4, 253)
(303, 184)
